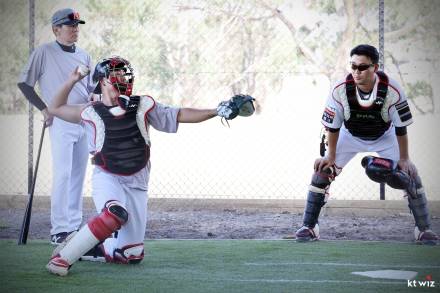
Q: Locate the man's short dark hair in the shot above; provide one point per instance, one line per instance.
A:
(366, 50)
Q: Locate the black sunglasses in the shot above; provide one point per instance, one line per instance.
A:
(71, 16)
(360, 67)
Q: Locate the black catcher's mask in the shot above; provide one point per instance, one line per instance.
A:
(118, 70)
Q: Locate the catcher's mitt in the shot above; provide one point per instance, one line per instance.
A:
(238, 105)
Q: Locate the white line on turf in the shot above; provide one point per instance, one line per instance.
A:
(340, 264)
(312, 281)
(277, 240)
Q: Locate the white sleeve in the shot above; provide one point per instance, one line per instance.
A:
(333, 115)
(399, 111)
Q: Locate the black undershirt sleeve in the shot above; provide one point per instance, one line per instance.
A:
(31, 96)
(400, 131)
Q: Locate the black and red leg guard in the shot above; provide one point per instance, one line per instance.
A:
(316, 197)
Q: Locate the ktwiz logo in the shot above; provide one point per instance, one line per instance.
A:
(427, 283)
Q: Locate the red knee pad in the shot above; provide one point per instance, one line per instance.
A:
(112, 217)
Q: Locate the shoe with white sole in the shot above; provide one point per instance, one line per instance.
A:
(427, 237)
(58, 266)
(306, 234)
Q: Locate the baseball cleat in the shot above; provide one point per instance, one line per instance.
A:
(95, 254)
(61, 245)
(306, 234)
(58, 266)
(58, 238)
(427, 237)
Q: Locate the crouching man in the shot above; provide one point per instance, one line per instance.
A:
(118, 128)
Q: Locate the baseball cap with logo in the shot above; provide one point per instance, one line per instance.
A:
(66, 16)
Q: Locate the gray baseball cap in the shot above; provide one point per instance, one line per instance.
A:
(66, 16)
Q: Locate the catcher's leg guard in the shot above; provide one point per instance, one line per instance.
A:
(316, 199)
(387, 171)
(96, 254)
(418, 206)
(112, 217)
(129, 254)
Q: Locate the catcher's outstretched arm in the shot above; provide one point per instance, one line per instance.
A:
(191, 115)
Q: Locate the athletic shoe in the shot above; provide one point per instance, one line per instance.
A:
(59, 238)
(427, 237)
(306, 234)
(62, 244)
(58, 266)
(94, 254)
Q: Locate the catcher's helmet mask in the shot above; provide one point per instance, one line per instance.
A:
(118, 71)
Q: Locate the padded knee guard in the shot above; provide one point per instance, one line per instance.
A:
(386, 171)
(418, 205)
(112, 217)
(378, 169)
(129, 254)
(316, 197)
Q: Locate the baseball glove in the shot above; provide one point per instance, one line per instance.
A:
(238, 105)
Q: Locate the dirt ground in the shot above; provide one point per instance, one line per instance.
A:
(186, 223)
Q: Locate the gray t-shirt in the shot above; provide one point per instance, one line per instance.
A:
(51, 67)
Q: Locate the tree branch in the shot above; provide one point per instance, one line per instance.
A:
(302, 49)
(396, 63)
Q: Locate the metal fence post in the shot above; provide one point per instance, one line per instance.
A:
(381, 65)
(31, 107)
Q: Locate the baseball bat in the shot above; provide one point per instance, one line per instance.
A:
(27, 215)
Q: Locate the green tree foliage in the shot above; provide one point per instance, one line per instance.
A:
(13, 50)
(196, 52)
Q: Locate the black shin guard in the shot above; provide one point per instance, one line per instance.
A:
(315, 201)
(418, 205)
(316, 198)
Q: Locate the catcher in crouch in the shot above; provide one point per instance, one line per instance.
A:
(118, 138)
(367, 112)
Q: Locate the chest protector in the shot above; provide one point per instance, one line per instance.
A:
(124, 150)
(366, 122)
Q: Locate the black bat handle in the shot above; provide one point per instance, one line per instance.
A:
(27, 215)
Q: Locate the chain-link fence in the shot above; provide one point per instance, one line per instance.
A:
(197, 53)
